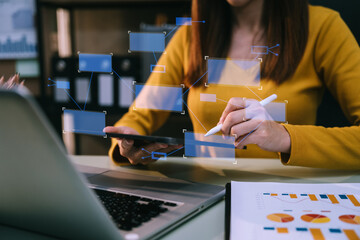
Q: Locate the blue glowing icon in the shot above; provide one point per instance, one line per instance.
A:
(263, 50)
(277, 111)
(147, 42)
(234, 72)
(159, 97)
(214, 146)
(84, 122)
(63, 84)
(158, 155)
(157, 68)
(95, 63)
(185, 21)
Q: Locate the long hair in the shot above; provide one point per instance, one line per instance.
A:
(286, 22)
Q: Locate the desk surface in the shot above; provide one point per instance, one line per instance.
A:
(210, 223)
(220, 172)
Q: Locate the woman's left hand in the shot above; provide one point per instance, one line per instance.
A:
(248, 121)
(14, 81)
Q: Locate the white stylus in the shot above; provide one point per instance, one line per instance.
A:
(263, 103)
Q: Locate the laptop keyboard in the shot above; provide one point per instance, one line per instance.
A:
(129, 211)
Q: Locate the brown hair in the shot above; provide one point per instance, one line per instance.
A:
(285, 22)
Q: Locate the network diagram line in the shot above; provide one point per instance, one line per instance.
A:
(195, 83)
(123, 81)
(155, 57)
(194, 116)
(171, 31)
(175, 151)
(88, 90)
(269, 49)
(73, 99)
(145, 150)
(254, 93)
(167, 154)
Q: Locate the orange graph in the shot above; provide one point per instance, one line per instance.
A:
(280, 217)
(354, 200)
(352, 219)
(333, 199)
(351, 234)
(317, 234)
(282, 230)
(313, 197)
(315, 218)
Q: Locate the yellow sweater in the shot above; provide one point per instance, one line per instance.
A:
(331, 59)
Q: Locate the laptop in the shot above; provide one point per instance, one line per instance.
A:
(42, 191)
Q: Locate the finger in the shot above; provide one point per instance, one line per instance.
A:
(249, 138)
(112, 129)
(119, 130)
(2, 80)
(127, 149)
(244, 128)
(232, 119)
(233, 105)
(246, 140)
(170, 149)
(17, 78)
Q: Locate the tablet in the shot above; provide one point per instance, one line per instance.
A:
(141, 140)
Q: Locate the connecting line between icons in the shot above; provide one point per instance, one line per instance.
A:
(73, 99)
(166, 154)
(257, 56)
(145, 150)
(194, 116)
(277, 45)
(253, 92)
(171, 31)
(155, 57)
(195, 83)
(123, 81)
(88, 90)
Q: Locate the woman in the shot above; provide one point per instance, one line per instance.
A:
(317, 50)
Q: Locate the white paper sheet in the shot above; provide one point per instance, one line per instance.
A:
(283, 211)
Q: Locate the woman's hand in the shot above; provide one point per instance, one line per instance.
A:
(14, 81)
(250, 123)
(136, 155)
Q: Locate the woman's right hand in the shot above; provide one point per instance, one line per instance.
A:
(136, 155)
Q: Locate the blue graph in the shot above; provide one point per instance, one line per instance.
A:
(22, 46)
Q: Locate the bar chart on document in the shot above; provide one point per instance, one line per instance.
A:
(295, 211)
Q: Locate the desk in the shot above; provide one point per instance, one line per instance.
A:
(210, 223)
